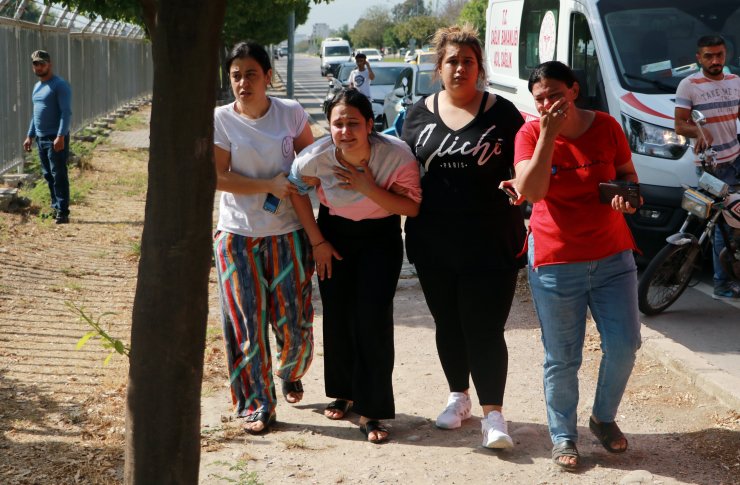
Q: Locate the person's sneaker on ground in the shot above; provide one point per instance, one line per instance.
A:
(62, 219)
(495, 431)
(730, 291)
(459, 408)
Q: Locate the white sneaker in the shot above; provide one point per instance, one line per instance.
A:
(495, 432)
(459, 408)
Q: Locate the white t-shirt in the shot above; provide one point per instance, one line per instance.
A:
(361, 81)
(260, 148)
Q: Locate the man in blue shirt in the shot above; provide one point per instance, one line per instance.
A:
(52, 111)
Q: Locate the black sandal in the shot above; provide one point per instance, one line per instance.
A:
(374, 426)
(292, 386)
(608, 433)
(341, 405)
(268, 419)
(566, 448)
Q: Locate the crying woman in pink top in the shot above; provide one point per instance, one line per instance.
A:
(366, 182)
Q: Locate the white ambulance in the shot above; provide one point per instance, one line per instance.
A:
(629, 56)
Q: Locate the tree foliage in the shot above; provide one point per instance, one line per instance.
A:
(262, 21)
(409, 9)
(420, 28)
(450, 11)
(369, 30)
(342, 32)
(474, 13)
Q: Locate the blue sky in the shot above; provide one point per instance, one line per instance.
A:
(340, 12)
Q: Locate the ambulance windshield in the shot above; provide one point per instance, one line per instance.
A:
(654, 41)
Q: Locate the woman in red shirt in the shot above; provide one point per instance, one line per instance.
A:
(580, 254)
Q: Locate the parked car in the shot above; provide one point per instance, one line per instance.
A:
(373, 55)
(338, 82)
(283, 51)
(414, 82)
(409, 56)
(424, 57)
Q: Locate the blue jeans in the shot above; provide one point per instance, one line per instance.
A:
(562, 293)
(54, 169)
(730, 173)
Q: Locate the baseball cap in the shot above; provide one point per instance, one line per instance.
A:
(41, 56)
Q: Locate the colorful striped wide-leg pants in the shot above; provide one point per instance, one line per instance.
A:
(264, 281)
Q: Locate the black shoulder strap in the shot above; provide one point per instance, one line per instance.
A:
(483, 101)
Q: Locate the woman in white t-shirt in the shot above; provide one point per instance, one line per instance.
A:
(263, 257)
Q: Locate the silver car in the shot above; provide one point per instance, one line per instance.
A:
(414, 82)
(386, 74)
(373, 55)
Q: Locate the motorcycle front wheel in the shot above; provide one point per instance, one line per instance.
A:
(666, 277)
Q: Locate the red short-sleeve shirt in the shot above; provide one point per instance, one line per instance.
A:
(570, 224)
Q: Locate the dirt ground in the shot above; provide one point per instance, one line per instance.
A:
(61, 409)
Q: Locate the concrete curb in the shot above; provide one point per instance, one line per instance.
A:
(707, 377)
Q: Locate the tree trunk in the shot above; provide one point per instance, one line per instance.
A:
(171, 302)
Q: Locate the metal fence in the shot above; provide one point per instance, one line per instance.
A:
(104, 71)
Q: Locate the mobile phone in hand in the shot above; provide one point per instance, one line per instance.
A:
(513, 196)
(272, 203)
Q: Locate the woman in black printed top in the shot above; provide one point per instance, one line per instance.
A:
(466, 238)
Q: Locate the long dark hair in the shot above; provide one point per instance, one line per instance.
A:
(246, 49)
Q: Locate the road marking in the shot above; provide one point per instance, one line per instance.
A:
(296, 83)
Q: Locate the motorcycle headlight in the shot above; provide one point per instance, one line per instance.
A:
(652, 140)
(696, 203)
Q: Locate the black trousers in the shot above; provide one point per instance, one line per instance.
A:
(358, 311)
(470, 309)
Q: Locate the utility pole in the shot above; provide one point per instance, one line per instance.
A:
(291, 48)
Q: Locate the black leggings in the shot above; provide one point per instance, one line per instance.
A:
(470, 311)
(358, 311)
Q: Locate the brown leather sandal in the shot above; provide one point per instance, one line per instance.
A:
(566, 448)
(608, 433)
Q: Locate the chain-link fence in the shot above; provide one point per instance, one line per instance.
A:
(106, 68)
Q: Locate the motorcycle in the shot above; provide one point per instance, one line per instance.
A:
(671, 270)
(397, 126)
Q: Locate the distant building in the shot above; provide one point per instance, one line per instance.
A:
(320, 32)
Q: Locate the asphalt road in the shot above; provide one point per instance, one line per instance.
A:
(707, 328)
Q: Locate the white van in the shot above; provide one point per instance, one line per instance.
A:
(629, 56)
(334, 51)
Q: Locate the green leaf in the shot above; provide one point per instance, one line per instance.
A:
(118, 346)
(107, 359)
(85, 338)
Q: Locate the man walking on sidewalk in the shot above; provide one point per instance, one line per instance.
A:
(52, 111)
